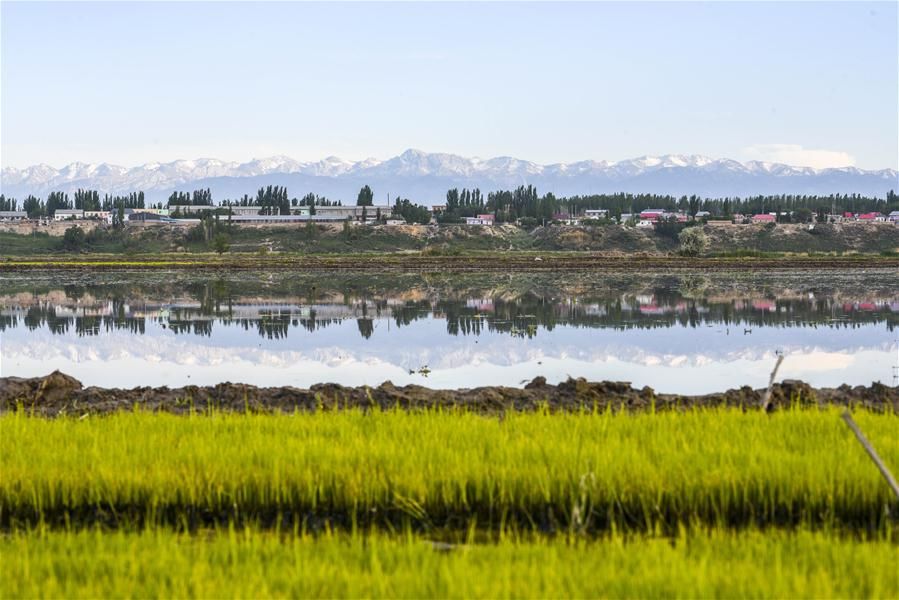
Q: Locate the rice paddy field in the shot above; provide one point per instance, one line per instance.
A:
(354, 503)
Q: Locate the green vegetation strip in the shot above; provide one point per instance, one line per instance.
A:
(449, 470)
(254, 564)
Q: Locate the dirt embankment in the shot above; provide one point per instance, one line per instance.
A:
(421, 262)
(453, 239)
(847, 238)
(61, 395)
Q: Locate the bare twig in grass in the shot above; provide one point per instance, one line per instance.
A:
(872, 453)
(767, 401)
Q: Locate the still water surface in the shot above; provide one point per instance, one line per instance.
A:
(682, 333)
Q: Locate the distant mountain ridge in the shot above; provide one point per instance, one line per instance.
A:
(425, 177)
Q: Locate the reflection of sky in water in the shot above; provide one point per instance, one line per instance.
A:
(707, 358)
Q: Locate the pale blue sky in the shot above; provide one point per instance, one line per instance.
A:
(127, 83)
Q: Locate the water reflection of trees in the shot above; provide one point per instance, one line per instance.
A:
(522, 316)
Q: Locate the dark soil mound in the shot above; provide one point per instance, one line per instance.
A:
(58, 394)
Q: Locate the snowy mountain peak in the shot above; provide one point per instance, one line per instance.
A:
(424, 175)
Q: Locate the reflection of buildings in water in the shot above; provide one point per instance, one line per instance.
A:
(467, 316)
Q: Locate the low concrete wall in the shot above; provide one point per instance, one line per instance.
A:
(54, 228)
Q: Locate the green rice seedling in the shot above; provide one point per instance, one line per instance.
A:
(433, 469)
(249, 563)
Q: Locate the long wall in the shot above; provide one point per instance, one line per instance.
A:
(54, 228)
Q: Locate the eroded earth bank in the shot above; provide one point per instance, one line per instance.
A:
(58, 394)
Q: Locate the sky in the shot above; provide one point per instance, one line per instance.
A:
(810, 84)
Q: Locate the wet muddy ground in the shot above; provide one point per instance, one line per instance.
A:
(61, 395)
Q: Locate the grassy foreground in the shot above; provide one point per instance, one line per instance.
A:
(252, 564)
(448, 470)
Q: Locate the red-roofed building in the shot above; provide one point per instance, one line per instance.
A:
(763, 218)
(652, 214)
(871, 216)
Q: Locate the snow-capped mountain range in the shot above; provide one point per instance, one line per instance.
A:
(425, 177)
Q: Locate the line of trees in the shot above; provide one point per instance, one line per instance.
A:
(8, 203)
(523, 202)
(313, 200)
(197, 198)
(273, 200)
(82, 200)
(726, 207)
(412, 213)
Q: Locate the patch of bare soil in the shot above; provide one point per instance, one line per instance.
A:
(58, 395)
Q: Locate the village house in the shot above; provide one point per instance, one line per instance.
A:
(354, 213)
(295, 218)
(652, 214)
(596, 213)
(13, 215)
(63, 214)
(245, 210)
(147, 218)
(656, 214)
(164, 212)
(193, 208)
(565, 218)
(99, 215)
(893, 217)
(764, 218)
(872, 217)
(480, 220)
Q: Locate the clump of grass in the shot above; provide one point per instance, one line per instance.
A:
(255, 564)
(448, 469)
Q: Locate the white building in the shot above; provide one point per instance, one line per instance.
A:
(480, 220)
(245, 210)
(354, 213)
(99, 215)
(13, 215)
(63, 214)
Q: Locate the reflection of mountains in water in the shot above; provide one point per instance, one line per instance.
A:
(523, 316)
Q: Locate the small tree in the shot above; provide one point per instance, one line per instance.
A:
(669, 227)
(118, 215)
(693, 241)
(365, 197)
(803, 215)
(221, 244)
(73, 239)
